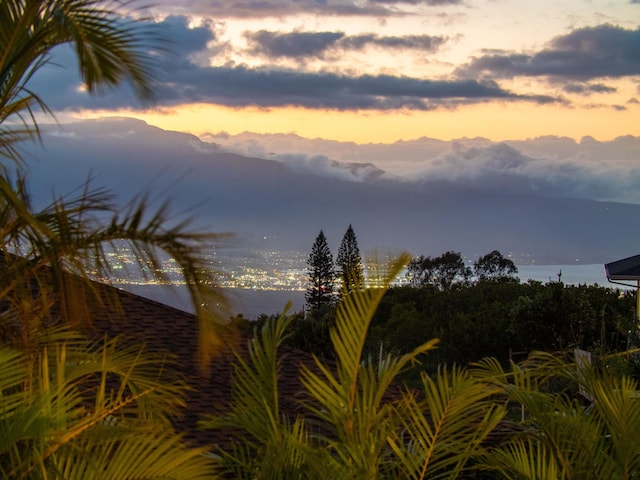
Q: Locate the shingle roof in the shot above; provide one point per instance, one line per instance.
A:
(166, 329)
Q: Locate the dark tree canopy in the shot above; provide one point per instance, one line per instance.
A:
(349, 263)
(442, 272)
(494, 266)
(321, 275)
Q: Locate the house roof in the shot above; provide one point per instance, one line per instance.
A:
(165, 329)
(625, 269)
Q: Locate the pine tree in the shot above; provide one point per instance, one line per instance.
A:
(349, 263)
(321, 275)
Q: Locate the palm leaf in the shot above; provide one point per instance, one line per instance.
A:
(142, 454)
(109, 48)
(75, 234)
(447, 428)
(594, 442)
(525, 459)
(353, 401)
(269, 444)
(82, 399)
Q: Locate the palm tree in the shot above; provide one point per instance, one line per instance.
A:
(109, 49)
(357, 423)
(76, 233)
(578, 422)
(92, 410)
(70, 408)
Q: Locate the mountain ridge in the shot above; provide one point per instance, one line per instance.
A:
(274, 205)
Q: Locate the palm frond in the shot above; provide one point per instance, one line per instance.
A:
(150, 454)
(80, 394)
(109, 48)
(447, 428)
(354, 401)
(77, 234)
(270, 445)
(585, 442)
(525, 459)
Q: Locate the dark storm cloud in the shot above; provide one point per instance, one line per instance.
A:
(587, 89)
(174, 42)
(294, 45)
(302, 45)
(181, 79)
(604, 51)
(221, 9)
(181, 39)
(242, 86)
(426, 43)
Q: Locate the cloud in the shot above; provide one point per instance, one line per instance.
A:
(293, 45)
(243, 86)
(432, 3)
(270, 8)
(546, 166)
(185, 81)
(425, 43)
(604, 51)
(284, 8)
(302, 45)
(326, 167)
(183, 39)
(175, 47)
(588, 89)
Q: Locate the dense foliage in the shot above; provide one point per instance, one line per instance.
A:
(485, 312)
(504, 319)
(545, 417)
(443, 271)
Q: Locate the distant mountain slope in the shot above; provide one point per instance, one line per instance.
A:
(277, 206)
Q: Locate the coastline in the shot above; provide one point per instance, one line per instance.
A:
(253, 302)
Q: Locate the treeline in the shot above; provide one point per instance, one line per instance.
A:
(476, 310)
(503, 319)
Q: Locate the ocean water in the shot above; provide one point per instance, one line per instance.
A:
(252, 303)
(569, 274)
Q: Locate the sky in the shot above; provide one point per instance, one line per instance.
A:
(380, 71)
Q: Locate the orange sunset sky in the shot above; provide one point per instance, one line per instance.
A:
(386, 70)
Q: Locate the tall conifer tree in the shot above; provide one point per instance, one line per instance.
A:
(349, 263)
(321, 275)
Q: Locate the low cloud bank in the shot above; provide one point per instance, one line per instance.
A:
(547, 166)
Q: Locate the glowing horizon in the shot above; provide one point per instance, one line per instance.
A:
(495, 122)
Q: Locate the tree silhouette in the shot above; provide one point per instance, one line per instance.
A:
(321, 275)
(494, 266)
(349, 263)
(442, 272)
